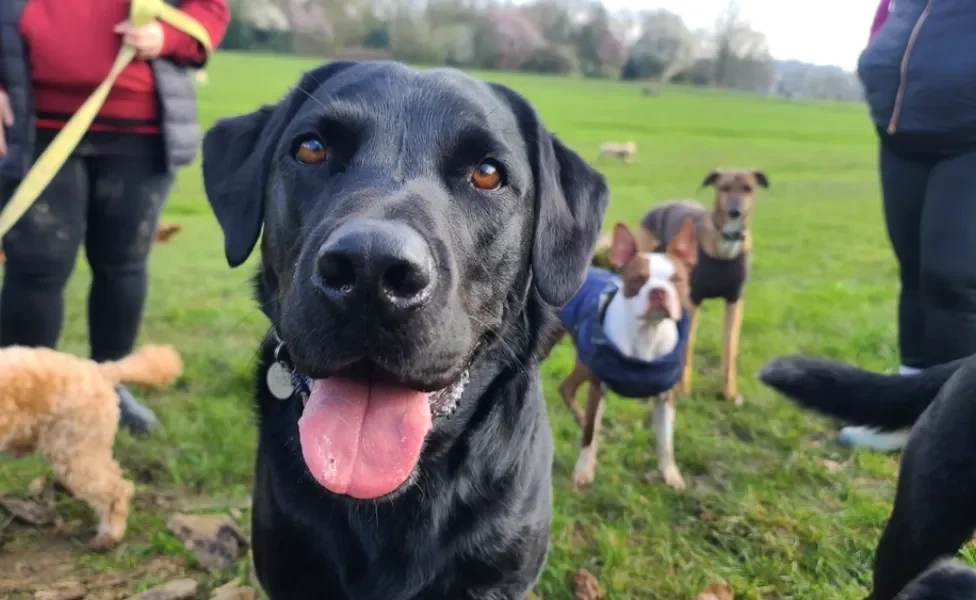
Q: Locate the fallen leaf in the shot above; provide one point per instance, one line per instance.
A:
(165, 232)
(36, 487)
(832, 465)
(587, 586)
(716, 591)
(215, 540)
(71, 590)
(178, 589)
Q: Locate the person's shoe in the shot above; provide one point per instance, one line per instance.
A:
(137, 418)
(867, 437)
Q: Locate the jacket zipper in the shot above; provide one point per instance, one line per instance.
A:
(896, 111)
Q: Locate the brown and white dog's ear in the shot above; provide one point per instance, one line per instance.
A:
(761, 178)
(711, 178)
(683, 247)
(623, 246)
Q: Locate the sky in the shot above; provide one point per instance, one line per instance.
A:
(825, 32)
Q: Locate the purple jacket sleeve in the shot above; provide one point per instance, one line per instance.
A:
(880, 16)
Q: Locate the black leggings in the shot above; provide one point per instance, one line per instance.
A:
(108, 195)
(930, 212)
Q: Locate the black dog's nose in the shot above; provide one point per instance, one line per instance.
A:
(735, 213)
(367, 261)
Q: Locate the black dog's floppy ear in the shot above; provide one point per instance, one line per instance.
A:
(711, 178)
(570, 200)
(237, 156)
(761, 178)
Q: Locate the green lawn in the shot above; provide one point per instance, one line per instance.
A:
(773, 506)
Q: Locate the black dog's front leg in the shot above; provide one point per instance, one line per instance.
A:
(935, 507)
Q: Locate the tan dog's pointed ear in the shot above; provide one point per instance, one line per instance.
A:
(684, 245)
(711, 178)
(623, 247)
(761, 178)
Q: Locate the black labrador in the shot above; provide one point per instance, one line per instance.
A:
(419, 227)
(934, 511)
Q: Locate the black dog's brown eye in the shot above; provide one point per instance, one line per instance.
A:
(310, 152)
(487, 176)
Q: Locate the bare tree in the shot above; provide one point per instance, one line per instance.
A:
(506, 38)
(665, 48)
(598, 49)
(742, 59)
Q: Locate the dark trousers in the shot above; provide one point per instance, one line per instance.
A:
(107, 196)
(929, 190)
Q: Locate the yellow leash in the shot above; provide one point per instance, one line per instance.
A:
(142, 12)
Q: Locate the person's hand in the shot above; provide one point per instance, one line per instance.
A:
(147, 40)
(6, 118)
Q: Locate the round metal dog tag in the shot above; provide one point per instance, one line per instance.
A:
(279, 381)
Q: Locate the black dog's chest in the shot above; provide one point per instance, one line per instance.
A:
(311, 546)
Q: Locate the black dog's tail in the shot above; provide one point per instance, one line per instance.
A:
(854, 395)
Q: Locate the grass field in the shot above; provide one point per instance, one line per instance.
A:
(774, 506)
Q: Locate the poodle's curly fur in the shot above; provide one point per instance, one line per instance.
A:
(65, 408)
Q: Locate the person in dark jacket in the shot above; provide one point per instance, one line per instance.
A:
(110, 191)
(919, 77)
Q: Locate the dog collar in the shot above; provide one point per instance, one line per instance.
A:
(735, 236)
(282, 379)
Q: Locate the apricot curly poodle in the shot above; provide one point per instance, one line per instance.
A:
(65, 408)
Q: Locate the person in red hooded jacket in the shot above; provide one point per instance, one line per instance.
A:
(108, 195)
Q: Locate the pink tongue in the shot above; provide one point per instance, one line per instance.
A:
(362, 440)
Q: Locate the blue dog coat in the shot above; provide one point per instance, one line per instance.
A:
(626, 376)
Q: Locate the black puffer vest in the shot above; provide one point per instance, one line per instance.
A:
(175, 89)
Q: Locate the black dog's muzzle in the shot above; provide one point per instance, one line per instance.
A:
(285, 382)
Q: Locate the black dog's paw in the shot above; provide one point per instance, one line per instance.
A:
(945, 580)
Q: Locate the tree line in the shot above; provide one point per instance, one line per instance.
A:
(559, 37)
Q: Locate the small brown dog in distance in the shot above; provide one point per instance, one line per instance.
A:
(724, 245)
(65, 408)
(640, 318)
(624, 151)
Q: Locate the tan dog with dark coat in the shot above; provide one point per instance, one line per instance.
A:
(724, 245)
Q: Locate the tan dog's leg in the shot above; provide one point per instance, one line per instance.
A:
(95, 478)
(664, 410)
(684, 388)
(730, 350)
(79, 449)
(585, 469)
(569, 387)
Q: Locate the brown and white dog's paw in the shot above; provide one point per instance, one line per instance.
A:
(585, 471)
(672, 476)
